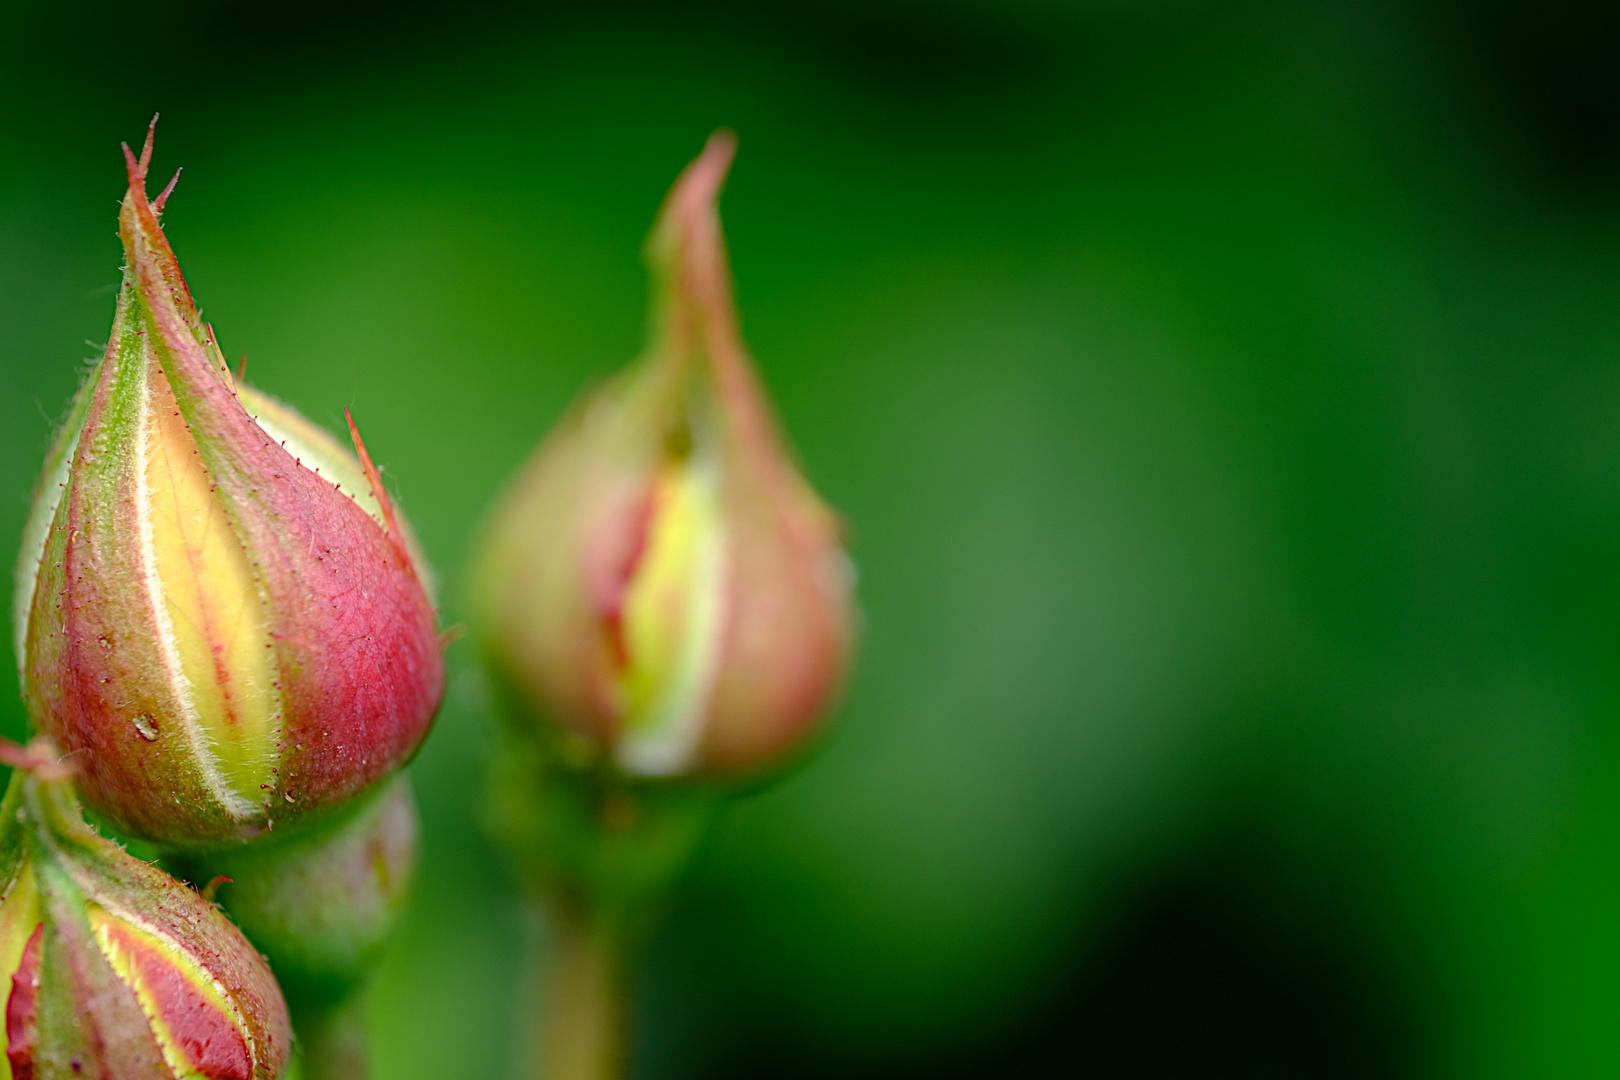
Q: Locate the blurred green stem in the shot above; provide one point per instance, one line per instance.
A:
(601, 852)
(334, 1039)
(583, 997)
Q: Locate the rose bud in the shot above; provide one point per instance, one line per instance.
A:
(323, 908)
(660, 582)
(219, 615)
(111, 969)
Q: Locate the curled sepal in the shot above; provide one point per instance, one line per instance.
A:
(660, 581)
(227, 624)
(111, 969)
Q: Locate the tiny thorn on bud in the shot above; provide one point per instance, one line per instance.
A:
(146, 151)
(212, 887)
(163, 196)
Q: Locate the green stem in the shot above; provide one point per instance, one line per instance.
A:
(582, 998)
(333, 1037)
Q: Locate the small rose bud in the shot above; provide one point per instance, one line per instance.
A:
(113, 970)
(323, 905)
(219, 613)
(661, 581)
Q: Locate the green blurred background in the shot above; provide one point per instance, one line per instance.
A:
(1225, 401)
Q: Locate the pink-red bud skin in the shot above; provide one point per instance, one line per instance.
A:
(22, 1010)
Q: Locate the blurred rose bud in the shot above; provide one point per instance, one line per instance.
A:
(110, 969)
(661, 581)
(218, 612)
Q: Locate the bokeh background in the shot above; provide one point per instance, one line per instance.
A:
(1225, 401)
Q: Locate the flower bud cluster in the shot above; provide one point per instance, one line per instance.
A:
(224, 625)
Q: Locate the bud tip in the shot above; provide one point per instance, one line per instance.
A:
(163, 197)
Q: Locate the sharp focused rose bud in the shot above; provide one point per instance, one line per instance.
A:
(110, 969)
(661, 581)
(219, 613)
